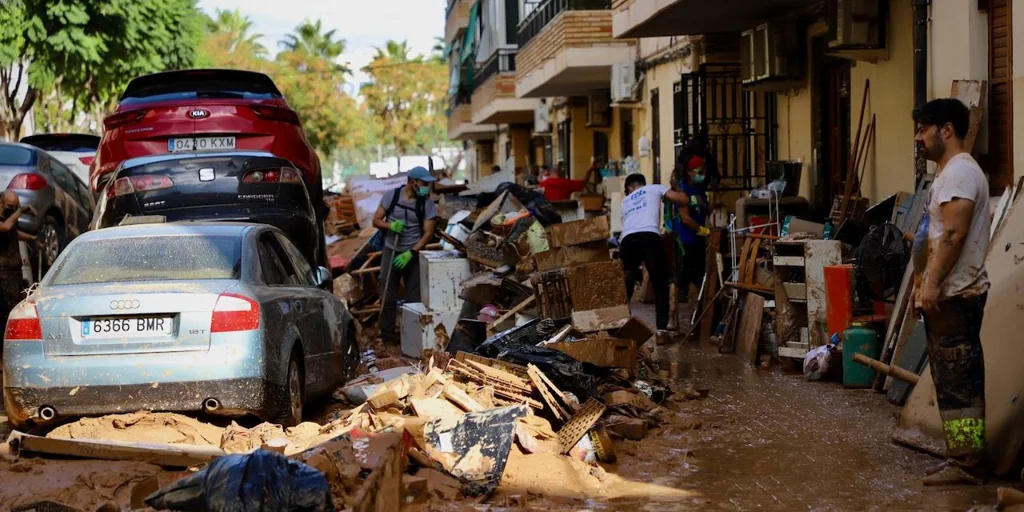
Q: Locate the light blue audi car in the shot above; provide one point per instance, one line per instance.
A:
(224, 318)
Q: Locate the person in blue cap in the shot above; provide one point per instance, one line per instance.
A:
(407, 216)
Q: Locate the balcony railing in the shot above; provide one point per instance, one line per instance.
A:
(501, 61)
(541, 13)
(462, 97)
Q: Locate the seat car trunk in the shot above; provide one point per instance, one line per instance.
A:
(207, 181)
(186, 306)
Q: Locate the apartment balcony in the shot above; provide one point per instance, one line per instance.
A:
(456, 18)
(566, 48)
(460, 120)
(657, 18)
(494, 99)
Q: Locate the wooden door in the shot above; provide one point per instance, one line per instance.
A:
(999, 160)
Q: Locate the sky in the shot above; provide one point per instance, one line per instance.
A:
(362, 24)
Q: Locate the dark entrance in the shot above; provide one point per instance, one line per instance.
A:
(831, 99)
(656, 134)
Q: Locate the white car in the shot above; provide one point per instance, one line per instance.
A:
(75, 150)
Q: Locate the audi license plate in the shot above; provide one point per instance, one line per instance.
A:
(200, 144)
(127, 327)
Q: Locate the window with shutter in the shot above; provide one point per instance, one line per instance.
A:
(998, 163)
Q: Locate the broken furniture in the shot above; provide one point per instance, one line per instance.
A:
(800, 273)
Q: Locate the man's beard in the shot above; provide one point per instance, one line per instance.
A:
(935, 152)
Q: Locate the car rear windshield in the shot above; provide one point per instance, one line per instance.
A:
(14, 155)
(200, 85)
(149, 258)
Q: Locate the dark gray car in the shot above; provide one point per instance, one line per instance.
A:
(61, 204)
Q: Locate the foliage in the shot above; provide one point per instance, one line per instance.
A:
(310, 38)
(82, 54)
(405, 99)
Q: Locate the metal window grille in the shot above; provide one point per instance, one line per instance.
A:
(741, 125)
(537, 15)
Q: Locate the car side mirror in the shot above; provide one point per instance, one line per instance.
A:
(322, 277)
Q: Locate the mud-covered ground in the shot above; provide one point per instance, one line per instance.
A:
(762, 440)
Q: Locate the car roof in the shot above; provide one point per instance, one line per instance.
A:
(168, 157)
(44, 138)
(198, 228)
(23, 146)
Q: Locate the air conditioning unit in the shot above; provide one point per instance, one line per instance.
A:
(599, 109)
(623, 82)
(770, 51)
(856, 24)
(541, 119)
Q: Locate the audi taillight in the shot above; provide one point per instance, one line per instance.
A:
(235, 312)
(269, 113)
(87, 160)
(124, 118)
(282, 175)
(27, 181)
(23, 323)
(137, 184)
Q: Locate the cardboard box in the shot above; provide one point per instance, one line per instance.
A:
(603, 351)
(592, 202)
(634, 329)
(597, 285)
(563, 257)
(579, 232)
(605, 319)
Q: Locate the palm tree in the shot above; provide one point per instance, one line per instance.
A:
(310, 38)
(237, 26)
(393, 51)
(437, 52)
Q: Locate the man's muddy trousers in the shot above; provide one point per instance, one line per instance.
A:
(958, 369)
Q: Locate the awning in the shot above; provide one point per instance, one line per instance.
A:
(468, 48)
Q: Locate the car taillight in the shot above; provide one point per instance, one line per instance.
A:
(276, 114)
(23, 323)
(136, 184)
(27, 181)
(87, 160)
(235, 312)
(282, 175)
(124, 118)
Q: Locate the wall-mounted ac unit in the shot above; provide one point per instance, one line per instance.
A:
(623, 82)
(771, 51)
(599, 109)
(857, 24)
(542, 119)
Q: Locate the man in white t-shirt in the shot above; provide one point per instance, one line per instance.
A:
(640, 241)
(952, 290)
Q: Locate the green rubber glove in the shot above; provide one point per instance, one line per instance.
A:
(703, 231)
(397, 226)
(402, 259)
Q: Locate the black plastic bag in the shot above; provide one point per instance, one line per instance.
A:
(261, 481)
(518, 345)
(539, 207)
(881, 259)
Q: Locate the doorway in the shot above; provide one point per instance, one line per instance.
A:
(656, 135)
(831, 119)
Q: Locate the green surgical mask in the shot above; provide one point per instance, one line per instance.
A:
(698, 179)
(423, 191)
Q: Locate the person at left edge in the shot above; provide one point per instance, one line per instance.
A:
(408, 217)
(10, 253)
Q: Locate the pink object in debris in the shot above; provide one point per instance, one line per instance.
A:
(488, 313)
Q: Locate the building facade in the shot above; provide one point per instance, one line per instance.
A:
(569, 81)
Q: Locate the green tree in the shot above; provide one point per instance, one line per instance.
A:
(405, 99)
(81, 54)
(237, 31)
(310, 38)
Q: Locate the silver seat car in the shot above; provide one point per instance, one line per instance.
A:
(224, 318)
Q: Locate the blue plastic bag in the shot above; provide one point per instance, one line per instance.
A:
(261, 481)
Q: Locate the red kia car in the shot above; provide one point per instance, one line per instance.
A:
(203, 110)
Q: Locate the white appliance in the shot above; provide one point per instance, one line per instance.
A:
(441, 277)
(421, 327)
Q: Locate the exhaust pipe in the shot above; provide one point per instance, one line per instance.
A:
(211, 405)
(47, 413)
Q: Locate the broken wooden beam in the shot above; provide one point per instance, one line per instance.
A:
(161, 454)
(891, 370)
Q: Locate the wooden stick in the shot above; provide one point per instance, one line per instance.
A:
(371, 270)
(848, 189)
(521, 306)
(893, 371)
(862, 161)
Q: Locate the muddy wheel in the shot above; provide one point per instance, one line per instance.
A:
(52, 239)
(291, 407)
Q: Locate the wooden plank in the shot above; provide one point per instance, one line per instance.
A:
(751, 263)
(560, 414)
(461, 399)
(493, 327)
(162, 454)
(748, 333)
